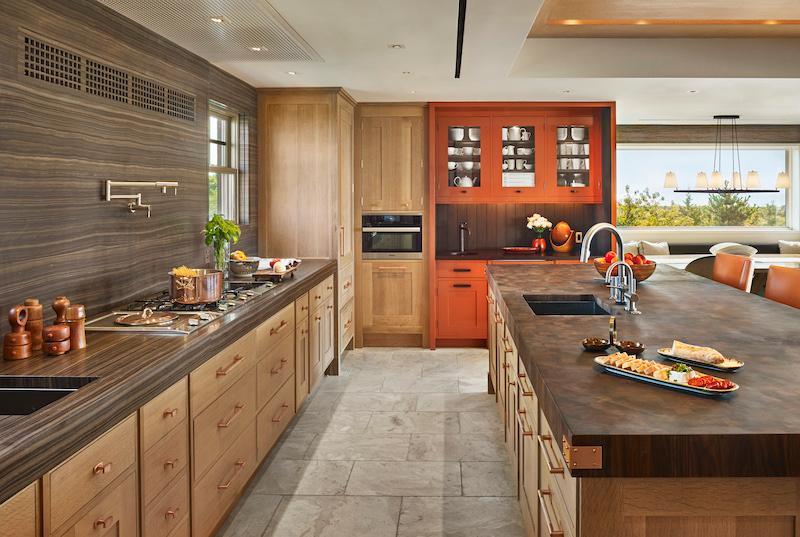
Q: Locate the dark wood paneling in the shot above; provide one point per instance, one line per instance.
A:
(57, 146)
(706, 134)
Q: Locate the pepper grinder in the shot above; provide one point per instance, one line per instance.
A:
(60, 305)
(17, 343)
(35, 322)
(76, 318)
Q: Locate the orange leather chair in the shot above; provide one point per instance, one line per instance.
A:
(734, 270)
(783, 285)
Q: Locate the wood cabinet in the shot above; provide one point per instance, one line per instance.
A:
(393, 297)
(20, 514)
(461, 290)
(392, 174)
(315, 355)
(302, 362)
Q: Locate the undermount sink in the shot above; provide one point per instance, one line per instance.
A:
(565, 305)
(20, 395)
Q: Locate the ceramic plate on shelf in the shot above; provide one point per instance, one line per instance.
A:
(599, 360)
(729, 365)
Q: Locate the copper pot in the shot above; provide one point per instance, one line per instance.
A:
(203, 288)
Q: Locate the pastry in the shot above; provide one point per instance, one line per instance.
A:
(696, 353)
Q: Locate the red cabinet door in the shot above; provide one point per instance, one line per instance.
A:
(462, 158)
(518, 170)
(574, 159)
(461, 309)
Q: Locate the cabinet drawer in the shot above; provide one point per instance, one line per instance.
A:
(19, 513)
(564, 486)
(220, 487)
(320, 293)
(164, 461)
(528, 475)
(182, 528)
(346, 325)
(553, 513)
(528, 402)
(273, 418)
(74, 483)
(211, 379)
(112, 513)
(301, 308)
(346, 284)
(274, 330)
(274, 369)
(218, 426)
(511, 357)
(167, 512)
(165, 412)
(461, 269)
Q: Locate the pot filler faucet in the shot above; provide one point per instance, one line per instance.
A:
(623, 285)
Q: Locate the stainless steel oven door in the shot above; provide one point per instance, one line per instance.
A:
(391, 243)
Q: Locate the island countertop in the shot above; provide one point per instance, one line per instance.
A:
(131, 369)
(646, 430)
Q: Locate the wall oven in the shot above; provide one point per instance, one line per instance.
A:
(391, 236)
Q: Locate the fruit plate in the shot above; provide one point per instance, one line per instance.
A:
(663, 383)
(275, 276)
(729, 366)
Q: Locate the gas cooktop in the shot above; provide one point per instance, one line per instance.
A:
(190, 316)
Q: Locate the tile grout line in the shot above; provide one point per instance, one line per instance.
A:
(399, 514)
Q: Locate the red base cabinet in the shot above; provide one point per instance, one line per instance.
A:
(461, 300)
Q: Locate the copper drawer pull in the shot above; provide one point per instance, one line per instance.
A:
(237, 467)
(498, 319)
(171, 513)
(102, 468)
(348, 323)
(521, 418)
(330, 307)
(273, 331)
(489, 299)
(276, 370)
(303, 308)
(523, 391)
(329, 288)
(279, 416)
(171, 413)
(170, 463)
(512, 383)
(317, 297)
(303, 331)
(347, 284)
(506, 347)
(236, 411)
(103, 522)
(317, 318)
(548, 520)
(222, 371)
(552, 468)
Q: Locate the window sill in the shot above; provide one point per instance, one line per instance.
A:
(710, 235)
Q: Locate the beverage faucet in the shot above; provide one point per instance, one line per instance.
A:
(463, 232)
(623, 285)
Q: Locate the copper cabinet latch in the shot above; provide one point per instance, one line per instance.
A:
(582, 457)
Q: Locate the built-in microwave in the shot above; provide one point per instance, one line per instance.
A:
(391, 236)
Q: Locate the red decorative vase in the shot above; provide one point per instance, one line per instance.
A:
(539, 244)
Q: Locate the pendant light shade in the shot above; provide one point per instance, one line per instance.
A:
(701, 183)
(782, 181)
(716, 180)
(670, 180)
(736, 180)
(753, 179)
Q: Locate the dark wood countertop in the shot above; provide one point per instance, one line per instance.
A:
(131, 370)
(497, 254)
(645, 430)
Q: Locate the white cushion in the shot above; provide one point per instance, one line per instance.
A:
(733, 248)
(630, 247)
(654, 248)
(789, 247)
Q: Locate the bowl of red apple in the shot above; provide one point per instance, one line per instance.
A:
(642, 267)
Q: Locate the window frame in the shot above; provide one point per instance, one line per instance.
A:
(695, 234)
(231, 118)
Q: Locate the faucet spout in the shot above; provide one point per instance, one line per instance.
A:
(587, 239)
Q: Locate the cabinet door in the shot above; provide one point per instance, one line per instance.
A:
(463, 158)
(392, 164)
(492, 341)
(528, 462)
(328, 333)
(346, 229)
(315, 355)
(393, 296)
(301, 363)
(518, 171)
(574, 148)
(20, 513)
(461, 313)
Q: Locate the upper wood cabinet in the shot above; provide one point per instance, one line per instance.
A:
(392, 158)
(345, 122)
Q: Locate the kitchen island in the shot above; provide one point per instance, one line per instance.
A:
(133, 370)
(642, 459)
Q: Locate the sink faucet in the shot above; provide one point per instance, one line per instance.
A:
(463, 232)
(623, 285)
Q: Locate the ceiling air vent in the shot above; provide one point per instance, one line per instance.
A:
(52, 64)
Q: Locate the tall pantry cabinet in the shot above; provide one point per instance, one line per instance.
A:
(306, 185)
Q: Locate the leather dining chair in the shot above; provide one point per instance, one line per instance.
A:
(734, 270)
(783, 285)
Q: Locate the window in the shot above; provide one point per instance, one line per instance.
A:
(642, 200)
(223, 171)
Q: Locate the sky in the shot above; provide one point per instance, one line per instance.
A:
(645, 168)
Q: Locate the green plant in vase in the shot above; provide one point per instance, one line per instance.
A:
(220, 233)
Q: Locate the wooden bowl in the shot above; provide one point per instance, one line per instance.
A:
(640, 272)
(244, 268)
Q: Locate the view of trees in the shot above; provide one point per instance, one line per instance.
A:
(646, 208)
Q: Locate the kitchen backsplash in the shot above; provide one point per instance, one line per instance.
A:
(58, 145)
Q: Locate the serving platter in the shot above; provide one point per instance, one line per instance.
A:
(664, 383)
(734, 365)
(270, 274)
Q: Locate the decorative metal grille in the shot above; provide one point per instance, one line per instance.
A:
(148, 94)
(52, 64)
(180, 104)
(106, 81)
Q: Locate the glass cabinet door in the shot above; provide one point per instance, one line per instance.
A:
(573, 156)
(463, 154)
(517, 170)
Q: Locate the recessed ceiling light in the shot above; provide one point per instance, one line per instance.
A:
(413, 91)
(771, 22)
(692, 91)
(571, 22)
(291, 73)
(256, 49)
(642, 23)
(217, 19)
(397, 46)
(406, 73)
(566, 91)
